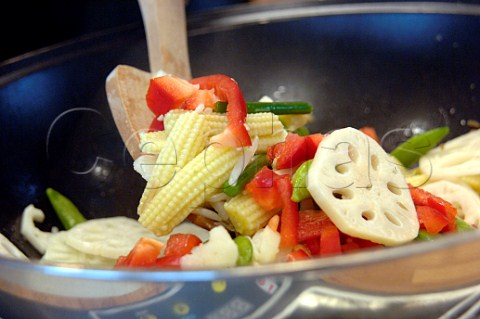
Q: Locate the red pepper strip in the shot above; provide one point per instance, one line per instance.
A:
(235, 134)
(168, 92)
(156, 125)
(263, 190)
(181, 244)
(289, 217)
(432, 220)
(143, 254)
(298, 253)
(310, 224)
(423, 198)
(295, 150)
(168, 262)
(330, 240)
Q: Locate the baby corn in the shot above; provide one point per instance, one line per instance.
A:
(180, 147)
(191, 186)
(246, 215)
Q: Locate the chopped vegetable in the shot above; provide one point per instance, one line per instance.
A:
(299, 181)
(410, 151)
(65, 209)
(181, 244)
(365, 195)
(235, 134)
(271, 107)
(144, 254)
(289, 216)
(456, 158)
(246, 176)
(245, 250)
(465, 200)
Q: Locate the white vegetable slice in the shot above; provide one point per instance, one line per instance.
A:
(266, 245)
(361, 189)
(220, 251)
(59, 252)
(39, 239)
(462, 197)
(457, 157)
(8, 249)
(107, 237)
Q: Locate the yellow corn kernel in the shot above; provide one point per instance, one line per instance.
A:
(171, 118)
(191, 187)
(180, 147)
(246, 215)
(265, 141)
(152, 142)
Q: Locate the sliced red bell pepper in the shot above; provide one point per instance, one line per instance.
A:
(295, 150)
(289, 216)
(330, 240)
(423, 198)
(353, 243)
(168, 262)
(205, 97)
(298, 253)
(310, 224)
(262, 187)
(156, 125)
(371, 132)
(181, 244)
(227, 89)
(432, 220)
(143, 254)
(168, 92)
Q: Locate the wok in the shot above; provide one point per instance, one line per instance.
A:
(409, 66)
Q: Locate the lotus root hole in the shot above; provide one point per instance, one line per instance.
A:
(392, 219)
(342, 194)
(394, 188)
(374, 162)
(368, 215)
(341, 168)
(352, 153)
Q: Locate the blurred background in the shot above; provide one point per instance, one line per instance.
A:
(36, 24)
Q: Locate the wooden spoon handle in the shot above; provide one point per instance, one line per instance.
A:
(166, 31)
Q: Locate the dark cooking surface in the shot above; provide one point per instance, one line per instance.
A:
(387, 70)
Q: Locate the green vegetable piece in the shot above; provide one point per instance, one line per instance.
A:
(245, 250)
(66, 211)
(425, 236)
(463, 226)
(246, 176)
(302, 131)
(299, 182)
(274, 107)
(410, 151)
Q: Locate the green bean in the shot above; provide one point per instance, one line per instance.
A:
(274, 107)
(245, 250)
(410, 151)
(462, 225)
(66, 211)
(299, 182)
(246, 176)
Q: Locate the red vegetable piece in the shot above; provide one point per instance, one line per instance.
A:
(156, 125)
(298, 253)
(295, 150)
(264, 191)
(181, 244)
(330, 239)
(168, 92)
(371, 132)
(205, 97)
(168, 262)
(235, 134)
(432, 220)
(310, 224)
(143, 254)
(289, 216)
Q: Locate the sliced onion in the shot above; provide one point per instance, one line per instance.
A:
(208, 213)
(220, 209)
(144, 165)
(248, 153)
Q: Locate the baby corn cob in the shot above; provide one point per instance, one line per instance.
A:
(258, 124)
(246, 215)
(191, 186)
(152, 142)
(180, 147)
(264, 141)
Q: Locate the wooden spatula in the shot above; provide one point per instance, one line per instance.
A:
(126, 86)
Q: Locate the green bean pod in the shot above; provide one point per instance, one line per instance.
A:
(246, 176)
(66, 211)
(299, 182)
(273, 107)
(410, 151)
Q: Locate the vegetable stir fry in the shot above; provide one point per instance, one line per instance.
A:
(234, 183)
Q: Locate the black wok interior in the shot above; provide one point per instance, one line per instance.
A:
(390, 71)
